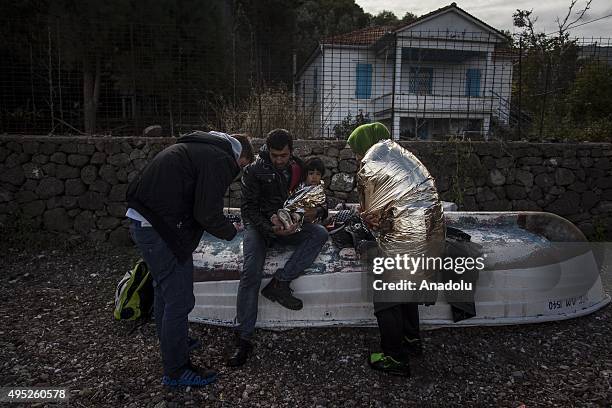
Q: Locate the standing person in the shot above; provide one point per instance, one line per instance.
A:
(399, 199)
(178, 196)
(266, 184)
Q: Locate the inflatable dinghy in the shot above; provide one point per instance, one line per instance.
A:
(539, 268)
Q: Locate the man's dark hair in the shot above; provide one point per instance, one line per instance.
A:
(277, 139)
(247, 147)
(314, 163)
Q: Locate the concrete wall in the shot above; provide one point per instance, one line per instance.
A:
(309, 89)
(449, 79)
(77, 185)
(452, 25)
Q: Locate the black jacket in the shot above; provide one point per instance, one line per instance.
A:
(181, 190)
(265, 189)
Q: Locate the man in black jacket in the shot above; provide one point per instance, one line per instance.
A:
(265, 186)
(178, 196)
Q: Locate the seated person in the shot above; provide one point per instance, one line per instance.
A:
(266, 185)
(314, 169)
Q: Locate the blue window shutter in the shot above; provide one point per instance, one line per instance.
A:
(363, 88)
(472, 82)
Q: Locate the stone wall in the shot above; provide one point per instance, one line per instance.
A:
(77, 185)
(72, 185)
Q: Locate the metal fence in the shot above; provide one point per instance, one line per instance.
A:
(423, 85)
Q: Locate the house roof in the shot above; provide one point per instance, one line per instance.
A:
(505, 53)
(370, 35)
(452, 6)
(364, 36)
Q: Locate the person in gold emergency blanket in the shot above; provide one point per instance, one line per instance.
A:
(399, 201)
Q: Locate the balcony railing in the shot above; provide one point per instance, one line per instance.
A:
(431, 103)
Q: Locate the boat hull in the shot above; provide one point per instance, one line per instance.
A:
(539, 268)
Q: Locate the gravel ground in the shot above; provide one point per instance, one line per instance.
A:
(56, 303)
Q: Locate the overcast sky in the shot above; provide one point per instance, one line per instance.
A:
(498, 13)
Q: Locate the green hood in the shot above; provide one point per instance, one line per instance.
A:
(366, 136)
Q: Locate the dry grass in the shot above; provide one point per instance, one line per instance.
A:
(273, 108)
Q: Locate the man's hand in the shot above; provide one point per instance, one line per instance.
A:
(371, 220)
(280, 231)
(310, 214)
(239, 227)
(276, 222)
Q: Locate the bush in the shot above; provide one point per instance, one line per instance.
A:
(344, 129)
(590, 98)
(260, 113)
(566, 130)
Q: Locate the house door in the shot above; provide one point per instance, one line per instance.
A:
(423, 129)
(472, 82)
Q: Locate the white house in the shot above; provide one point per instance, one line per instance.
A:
(446, 73)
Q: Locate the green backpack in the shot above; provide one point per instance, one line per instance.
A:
(134, 294)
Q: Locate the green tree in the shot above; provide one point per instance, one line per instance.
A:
(408, 18)
(590, 98)
(88, 27)
(384, 18)
(318, 19)
(547, 69)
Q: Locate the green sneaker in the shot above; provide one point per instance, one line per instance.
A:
(387, 364)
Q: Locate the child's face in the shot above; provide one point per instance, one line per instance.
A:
(313, 178)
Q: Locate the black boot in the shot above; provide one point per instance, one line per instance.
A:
(279, 291)
(241, 353)
(412, 346)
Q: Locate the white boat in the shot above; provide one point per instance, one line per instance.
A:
(539, 268)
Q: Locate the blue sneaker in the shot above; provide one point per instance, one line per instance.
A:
(191, 377)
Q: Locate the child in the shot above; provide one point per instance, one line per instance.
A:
(314, 169)
(308, 201)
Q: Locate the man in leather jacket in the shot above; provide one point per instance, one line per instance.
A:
(266, 184)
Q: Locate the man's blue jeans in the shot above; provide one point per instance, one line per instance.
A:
(174, 299)
(308, 242)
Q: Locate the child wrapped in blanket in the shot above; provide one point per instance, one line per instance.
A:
(308, 202)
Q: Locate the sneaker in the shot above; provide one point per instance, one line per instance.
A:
(412, 346)
(241, 353)
(387, 364)
(279, 291)
(191, 377)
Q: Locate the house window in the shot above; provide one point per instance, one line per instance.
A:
(363, 87)
(420, 82)
(472, 82)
